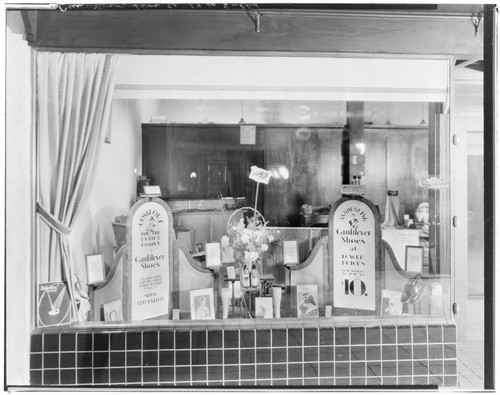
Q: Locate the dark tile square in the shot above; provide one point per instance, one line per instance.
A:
(117, 358)
(420, 352)
(279, 371)
(36, 343)
(51, 377)
(388, 335)
(231, 372)
(294, 337)
(167, 358)
(231, 339)
(263, 338)
(231, 383)
(435, 367)
(247, 356)
(84, 360)
(327, 381)
(373, 335)
(279, 382)
(51, 342)
(419, 334)
(310, 354)
(247, 372)
(68, 377)
(36, 360)
(420, 380)
(404, 334)
(311, 382)
(183, 357)
(389, 368)
(134, 375)
(435, 334)
(36, 377)
(231, 357)
(183, 373)
(449, 333)
(310, 336)
(358, 353)
(342, 353)
(373, 369)
(101, 359)
(435, 351)
(264, 383)
(327, 369)
(101, 376)
(373, 353)
(295, 382)
(404, 352)
(84, 376)
(51, 361)
(405, 368)
(214, 339)
(450, 351)
(263, 371)
(101, 341)
(436, 380)
(295, 354)
(341, 382)
(405, 380)
(263, 356)
(326, 353)
(358, 369)
(279, 355)
(166, 340)
(150, 374)
(84, 341)
(150, 341)
(182, 340)
(117, 376)
(199, 373)
(198, 339)
(341, 336)
(167, 374)
(278, 337)
(450, 367)
(389, 352)
(450, 381)
(420, 368)
(215, 357)
(373, 381)
(134, 340)
(311, 370)
(214, 372)
(247, 339)
(198, 357)
(326, 336)
(68, 341)
(150, 358)
(117, 341)
(295, 370)
(358, 381)
(134, 358)
(358, 336)
(389, 380)
(342, 369)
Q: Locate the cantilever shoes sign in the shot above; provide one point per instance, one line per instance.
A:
(147, 276)
(355, 237)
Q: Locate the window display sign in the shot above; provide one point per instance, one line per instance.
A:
(355, 254)
(148, 263)
(53, 304)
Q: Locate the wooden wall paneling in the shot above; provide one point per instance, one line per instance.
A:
(376, 166)
(154, 146)
(305, 165)
(329, 168)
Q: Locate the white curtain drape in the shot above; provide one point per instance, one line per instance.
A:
(73, 102)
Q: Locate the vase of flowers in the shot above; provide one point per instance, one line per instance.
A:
(249, 238)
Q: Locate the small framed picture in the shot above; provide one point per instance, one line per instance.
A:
(391, 303)
(414, 259)
(248, 134)
(152, 190)
(307, 300)
(263, 307)
(290, 252)
(213, 254)
(176, 314)
(230, 272)
(96, 273)
(113, 310)
(202, 304)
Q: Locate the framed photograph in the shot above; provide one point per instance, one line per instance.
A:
(152, 190)
(307, 300)
(113, 310)
(230, 272)
(391, 303)
(248, 134)
(290, 252)
(96, 273)
(213, 255)
(414, 259)
(202, 304)
(263, 307)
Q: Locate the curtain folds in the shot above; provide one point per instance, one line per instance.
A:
(73, 101)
